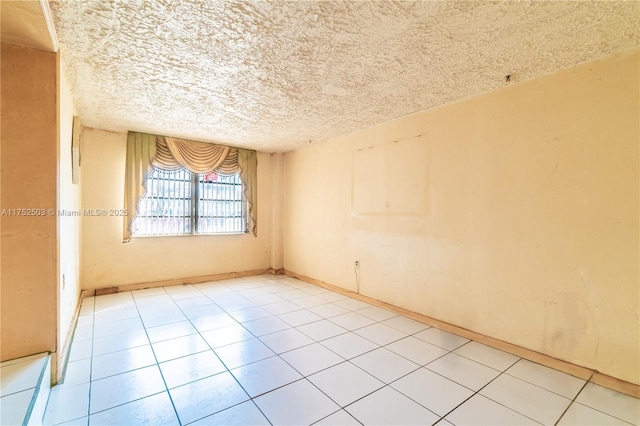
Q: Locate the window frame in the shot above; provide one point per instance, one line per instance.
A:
(197, 179)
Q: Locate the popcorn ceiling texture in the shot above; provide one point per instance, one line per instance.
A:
(274, 75)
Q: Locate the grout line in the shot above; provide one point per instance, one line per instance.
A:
(573, 400)
(234, 292)
(157, 363)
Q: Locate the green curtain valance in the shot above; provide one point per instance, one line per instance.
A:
(145, 152)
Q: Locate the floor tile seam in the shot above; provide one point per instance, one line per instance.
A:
(335, 412)
(93, 333)
(325, 339)
(90, 373)
(473, 392)
(380, 380)
(299, 325)
(395, 390)
(595, 409)
(574, 401)
(347, 359)
(104, 322)
(306, 378)
(454, 381)
(549, 390)
(482, 363)
(120, 350)
(249, 399)
(313, 342)
(65, 421)
(124, 372)
(307, 375)
(343, 407)
(128, 402)
(18, 391)
(178, 292)
(384, 344)
(500, 403)
(425, 367)
(166, 388)
(484, 396)
(228, 370)
(274, 389)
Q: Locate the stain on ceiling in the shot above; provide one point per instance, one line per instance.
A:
(274, 76)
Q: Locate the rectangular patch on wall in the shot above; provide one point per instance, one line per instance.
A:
(391, 179)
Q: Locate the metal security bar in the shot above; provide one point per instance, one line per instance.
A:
(183, 203)
(221, 204)
(166, 209)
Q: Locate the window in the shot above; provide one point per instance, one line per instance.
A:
(183, 203)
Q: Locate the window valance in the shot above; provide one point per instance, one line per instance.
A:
(145, 152)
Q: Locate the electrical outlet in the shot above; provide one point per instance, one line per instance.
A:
(356, 263)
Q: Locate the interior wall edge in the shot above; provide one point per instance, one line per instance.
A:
(578, 371)
(62, 356)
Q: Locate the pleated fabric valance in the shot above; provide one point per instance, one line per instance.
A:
(145, 152)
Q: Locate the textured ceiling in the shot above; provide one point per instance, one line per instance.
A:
(276, 75)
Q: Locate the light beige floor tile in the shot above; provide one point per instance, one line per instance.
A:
(404, 324)
(126, 387)
(441, 338)
(482, 411)
(380, 334)
(152, 410)
(243, 414)
(613, 403)
(345, 383)
(416, 350)
(463, 371)
(265, 375)
(205, 397)
(581, 415)
(385, 365)
(494, 358)
(389, 407)
(299, 403)
(179, 347)
(311, 359)
(121, 361)
(547, 378)
(286, 340)
(349, 345)
(243, 353)
(529, 400)
(432, 391)
(190, 368)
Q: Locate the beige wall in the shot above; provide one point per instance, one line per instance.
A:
(513, 214)
(29, 177)
(106, 261)
(68, 225)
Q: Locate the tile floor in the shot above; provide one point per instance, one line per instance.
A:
(274, 350)
(24, 388)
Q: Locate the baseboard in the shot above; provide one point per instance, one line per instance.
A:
(176, 281)
(531, 355)
(63, 353)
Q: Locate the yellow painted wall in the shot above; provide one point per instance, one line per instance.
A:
(107, 261)
(68, 225)
(513, 214)
(29, 180)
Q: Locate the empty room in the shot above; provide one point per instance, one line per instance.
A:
(320, 212)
